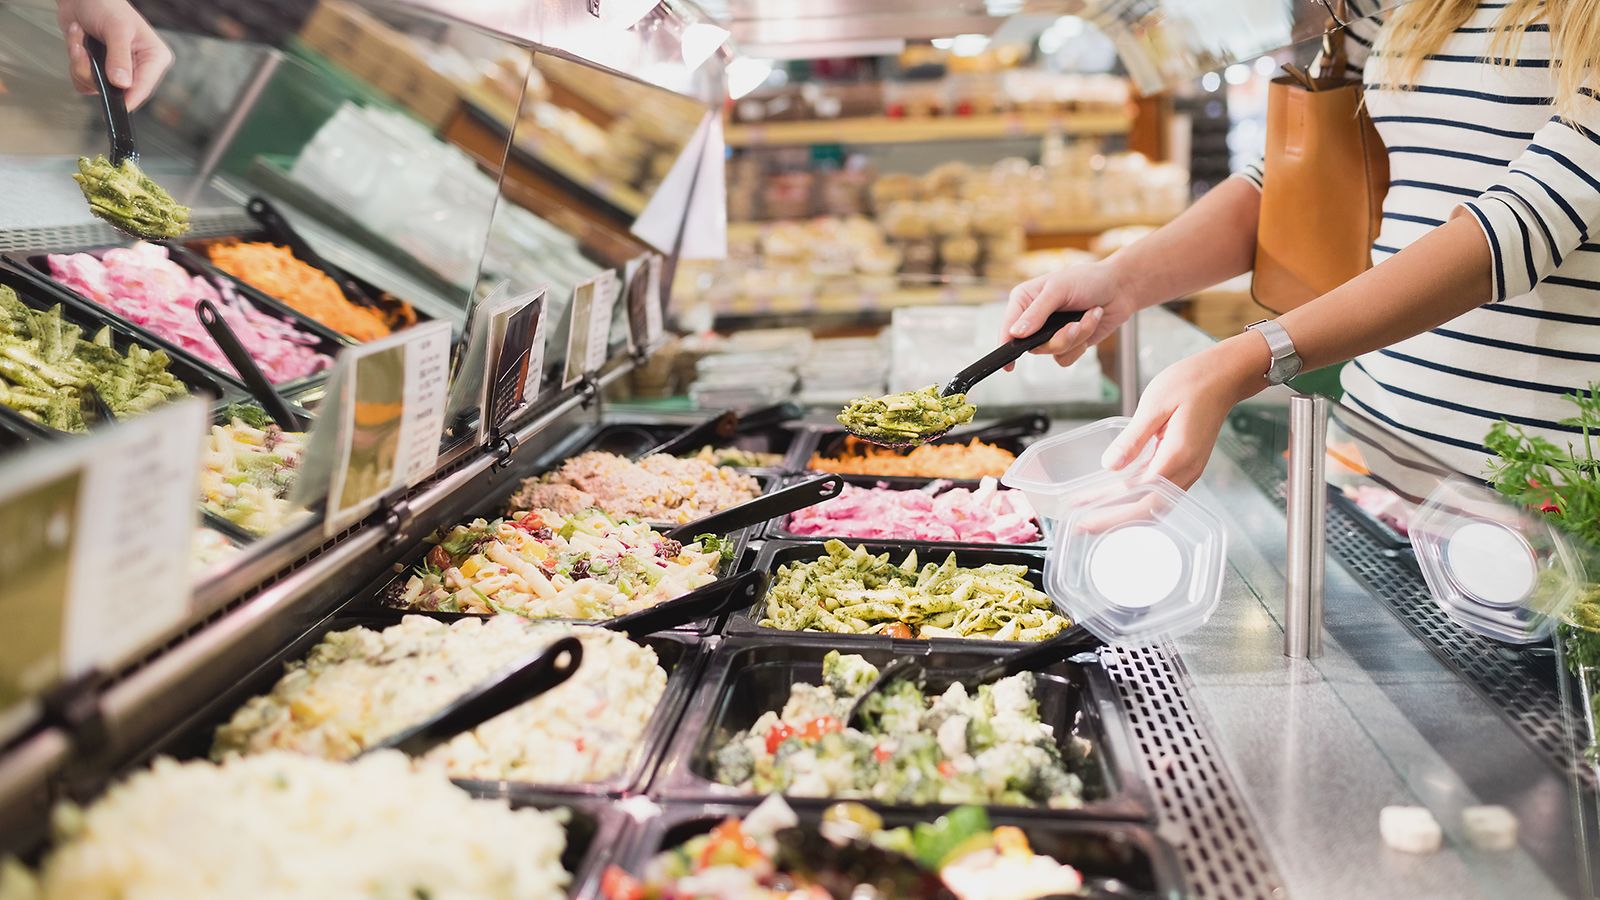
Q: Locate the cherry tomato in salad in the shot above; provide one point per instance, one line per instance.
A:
(947, 768)
(532, 521)
(898, 630)
(882, 752)
(821, 725)
(780, 732)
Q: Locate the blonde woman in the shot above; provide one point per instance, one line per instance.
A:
(1483, 302)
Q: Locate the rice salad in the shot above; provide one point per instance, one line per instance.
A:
(988, 747)
(359, 686)
(282, 826)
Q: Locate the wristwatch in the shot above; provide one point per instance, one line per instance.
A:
(1286, 362)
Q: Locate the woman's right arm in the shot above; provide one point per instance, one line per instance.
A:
(1212, 241)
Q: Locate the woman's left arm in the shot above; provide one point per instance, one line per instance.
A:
(1441, 275)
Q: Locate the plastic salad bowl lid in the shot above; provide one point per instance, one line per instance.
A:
(1492, 567)
(1135, 559)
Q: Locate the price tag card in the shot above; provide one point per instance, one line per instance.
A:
(387, 419)
(644, 302)
(598, 343)
(95, 538)
(516, 357)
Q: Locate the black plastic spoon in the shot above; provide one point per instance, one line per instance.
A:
(968, 378)
(500, 693)
(279, 231)
(260, 388)
(768, 506)
(915, 668)
(114, 103)
(722, 596)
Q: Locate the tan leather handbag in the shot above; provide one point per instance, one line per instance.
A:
(1324, 178)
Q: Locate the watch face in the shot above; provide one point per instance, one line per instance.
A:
(1285, 369)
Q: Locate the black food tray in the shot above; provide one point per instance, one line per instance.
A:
(371, 601)
(779, 528)
(39, 296)
(595, 826)
(829, 441)
(327, 342)
(775, 554)
(386, 301)
(680, 655)
(1104, 850)
(745, 678)
(633, 438)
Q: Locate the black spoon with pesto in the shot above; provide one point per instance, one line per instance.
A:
(116, 189)
(914, 418)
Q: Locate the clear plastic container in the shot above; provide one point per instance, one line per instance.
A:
(1135, 559)
(1493, 568)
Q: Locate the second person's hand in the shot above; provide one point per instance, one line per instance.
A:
(1094, 287)
(136, 57)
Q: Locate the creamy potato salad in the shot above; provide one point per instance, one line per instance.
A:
(360, 686)
(990, 747)
(280, 825)
(854, 592)
(545, 565)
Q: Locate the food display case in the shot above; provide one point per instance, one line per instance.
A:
(1447, 705)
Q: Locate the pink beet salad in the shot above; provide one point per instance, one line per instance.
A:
(937, 512)
(143, 285)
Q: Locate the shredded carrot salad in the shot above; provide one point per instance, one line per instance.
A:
(966, 461)
(275, 271)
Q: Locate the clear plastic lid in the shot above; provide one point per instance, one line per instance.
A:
(1499, 571)
(1060, 472)
(1135, 559)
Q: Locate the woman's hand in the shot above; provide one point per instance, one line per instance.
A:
(1095, 287)
(136, 57)
(1184, 408)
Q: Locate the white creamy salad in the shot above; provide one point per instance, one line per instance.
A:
(281, 826)
(360, 686)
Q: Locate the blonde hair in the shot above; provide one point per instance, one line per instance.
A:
(1420, 27)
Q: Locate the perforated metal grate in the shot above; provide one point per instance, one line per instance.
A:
(99, 234)
(1201, 813)
(1519, 682)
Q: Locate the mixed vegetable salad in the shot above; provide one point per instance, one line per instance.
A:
(542, 564)
(768, 854)
(855, 592)
(247, 468)
(991, 747)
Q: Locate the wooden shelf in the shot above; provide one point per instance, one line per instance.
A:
(884, 130)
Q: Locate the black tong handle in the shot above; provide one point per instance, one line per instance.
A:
(113, 102)
(768, 416)
(260, 388)
(768, 506)
(716, 598)
(1009, 352)
(280, 231)
(1073, 641)
(708, 432)
(1025, 425)
(501, 693)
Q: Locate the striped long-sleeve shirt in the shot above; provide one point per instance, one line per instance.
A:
(1485, 139)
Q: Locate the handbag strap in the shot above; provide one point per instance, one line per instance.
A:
(1333, 60)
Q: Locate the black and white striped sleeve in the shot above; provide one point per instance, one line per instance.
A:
(1546, 202)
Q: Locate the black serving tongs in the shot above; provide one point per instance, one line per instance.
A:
(501, 693)
(114, 104)
(260, 388)
(1026, 425)
(721, 596)
(968, 378)
(715, 429)
(279, 231)
(915, 669)
(768, 506)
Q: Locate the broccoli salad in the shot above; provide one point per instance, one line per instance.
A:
(953, 748)
(544, 565)
(854, 592)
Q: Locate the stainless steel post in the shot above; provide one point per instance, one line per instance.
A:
(1128, 364)
(222, 138)
(1307, 515)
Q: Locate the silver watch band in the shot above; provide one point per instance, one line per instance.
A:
(1285, 359)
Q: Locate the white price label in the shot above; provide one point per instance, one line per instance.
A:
(643, 292)
(599, 339)
(390, 398)
(95, 538)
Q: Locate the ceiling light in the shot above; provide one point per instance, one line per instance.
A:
(700, 40)
(745, 75)
(1211, 81)
(1238, 73)
(969, 44)
(943, 43)
(624, 14)
(1265, 66)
